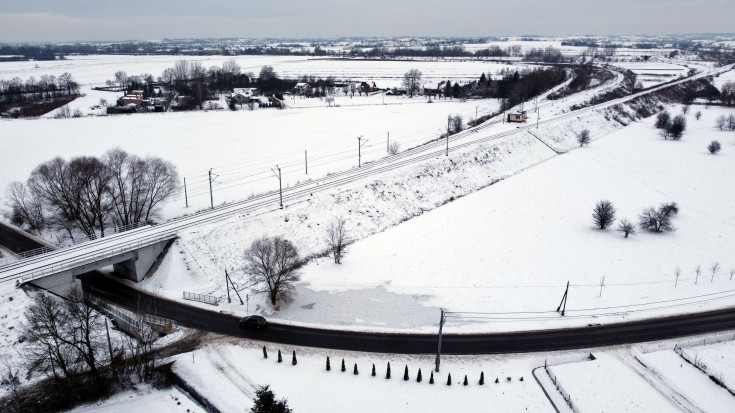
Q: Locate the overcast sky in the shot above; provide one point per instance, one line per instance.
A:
(86, 20)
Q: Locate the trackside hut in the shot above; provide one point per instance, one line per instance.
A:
(517, 117)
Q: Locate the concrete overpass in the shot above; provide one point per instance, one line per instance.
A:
(131, 254)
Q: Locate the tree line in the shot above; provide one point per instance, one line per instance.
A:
(17, 91)
(90, 195)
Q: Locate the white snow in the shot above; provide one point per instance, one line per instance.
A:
(144, 399)
(228, 375)
(607, 385)
(691, 382)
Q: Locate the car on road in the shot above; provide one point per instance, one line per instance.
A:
(252, 321)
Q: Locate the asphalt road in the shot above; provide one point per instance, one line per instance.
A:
(109, 289)
(16, 241)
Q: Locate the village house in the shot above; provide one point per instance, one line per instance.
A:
(243, 95)
(302, 88)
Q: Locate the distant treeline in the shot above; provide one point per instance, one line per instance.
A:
(16, 91)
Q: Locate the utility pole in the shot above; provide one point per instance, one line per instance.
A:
(563, 301)
(186, 197)
(306, 163)
(476, 115)
(280, 186)
(439, 346)
(449, 119)
(387, 144)
(538, 116)
(228, 279)
(211, 198)
(359, 150)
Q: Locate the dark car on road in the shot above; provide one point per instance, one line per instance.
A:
(252, 321)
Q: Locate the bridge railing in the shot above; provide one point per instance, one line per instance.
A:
(94, 257)
(202, 298)
(159, 323)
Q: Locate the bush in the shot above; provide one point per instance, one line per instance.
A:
(583, 138)
(677, 128)
(714, 147)
(626, 227)
(603, 214)
(663, 120)
(659, 219)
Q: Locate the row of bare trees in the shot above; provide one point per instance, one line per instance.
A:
(90, 194)
(16, 90)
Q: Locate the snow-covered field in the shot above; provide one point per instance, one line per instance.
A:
(717, 360)
(690, 381)
(241, 147)
(607, 384)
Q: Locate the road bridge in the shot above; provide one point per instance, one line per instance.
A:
(131, 254)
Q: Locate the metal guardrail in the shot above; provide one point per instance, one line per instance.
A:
(203, 298)
(68, 265)
(128, 227)
(132, 319)
(34, 252)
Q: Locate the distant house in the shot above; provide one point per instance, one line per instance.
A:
(246, 91)
(132, 99)
(302, 88)
(517, 117)
(243, 95)
(366, 88)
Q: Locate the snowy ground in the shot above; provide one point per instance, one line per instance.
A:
(240, 146)
(227, 373)
(717, 360)
(144, 399)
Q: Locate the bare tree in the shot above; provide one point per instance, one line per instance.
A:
(138, 187)
(26, 208)
(583, 137)
(140, 345)
(659, 219)
(456, 124)
(121, 78)
(626, 227)
(412, 81)
(83, 332)
(394, 148)
(714, 147)
(603, 214)
(714, 268)
(721, 122)
(271, 263)
(698, 114)
(337, 237)
(47, 351)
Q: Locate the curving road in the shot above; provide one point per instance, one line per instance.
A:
(515, 342)
(109, 289)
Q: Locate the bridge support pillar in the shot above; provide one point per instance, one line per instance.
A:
(60, 284)
(136, 268)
